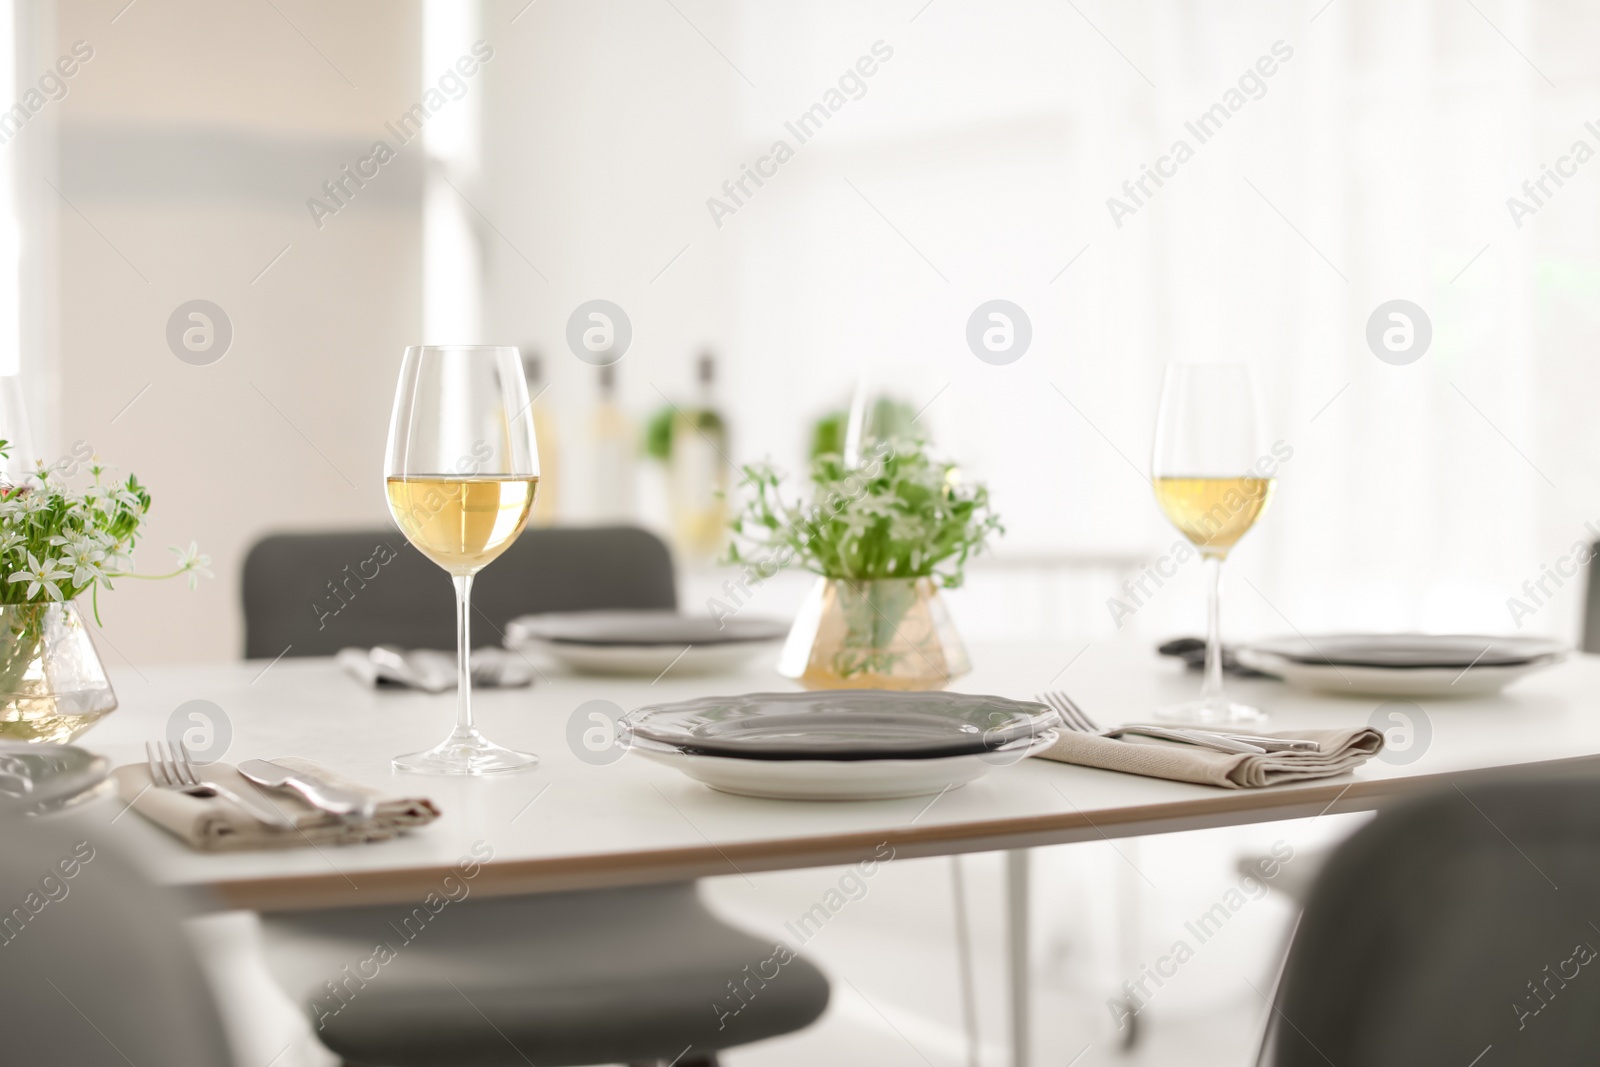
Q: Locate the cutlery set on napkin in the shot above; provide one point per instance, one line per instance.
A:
(281, 803)
(432, 671)
(1209, 757)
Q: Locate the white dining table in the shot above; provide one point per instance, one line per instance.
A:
(573, 823)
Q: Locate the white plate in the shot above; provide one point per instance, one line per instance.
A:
(1411, 651)
(1392, 681)
(634, 628)
(839, 780)
(647, 661)
(645, 643)
(38, 778)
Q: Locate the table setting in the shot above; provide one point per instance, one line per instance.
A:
(878, 710)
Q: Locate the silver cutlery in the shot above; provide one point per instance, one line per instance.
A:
(1074, 718)
(172, 769)
(1271, 744)
(432, 671)
(345, 803)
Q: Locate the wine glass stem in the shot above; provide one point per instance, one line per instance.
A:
(463, 651)
(1211, 688)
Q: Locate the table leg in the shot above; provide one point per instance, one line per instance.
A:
(969, 984)
(1017, 904)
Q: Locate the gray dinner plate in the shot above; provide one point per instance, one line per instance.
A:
(847, 724)
(641, 628)
(1411, 651)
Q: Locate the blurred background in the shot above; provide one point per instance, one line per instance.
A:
(578, 163)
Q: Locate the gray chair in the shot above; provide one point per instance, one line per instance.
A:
(94, 969)
(313, 594)
(1451, 925)
(1591, 604)
(630, 975)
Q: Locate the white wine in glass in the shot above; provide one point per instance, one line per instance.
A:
(1213, 478)
(463, 523)
(461, 473)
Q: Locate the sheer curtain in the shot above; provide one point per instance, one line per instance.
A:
(1372, 164)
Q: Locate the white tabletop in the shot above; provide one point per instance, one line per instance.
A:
(567, 824)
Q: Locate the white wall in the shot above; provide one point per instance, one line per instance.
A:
(976, 165)
(190, 144)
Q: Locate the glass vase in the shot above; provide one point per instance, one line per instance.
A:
(53, 686)
(891, 633)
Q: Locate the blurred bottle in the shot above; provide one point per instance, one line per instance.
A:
(846, 433)
(611, 448)
(697, 472)
(546, 502)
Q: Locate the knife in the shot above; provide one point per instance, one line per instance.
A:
(344, 803)
(1219, 742)
(1270, 744)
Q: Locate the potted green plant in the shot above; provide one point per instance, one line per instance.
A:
(59, 541)
(885, 534)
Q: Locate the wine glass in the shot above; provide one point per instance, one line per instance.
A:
(461, 472)
(1213, 477)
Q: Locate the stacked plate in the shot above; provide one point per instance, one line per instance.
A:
(1430, 665)
(37, 779)
(854, 744)
(644, 642)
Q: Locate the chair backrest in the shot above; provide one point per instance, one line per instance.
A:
(1449, 925)
(1591, 602)
(316, 593)
(94, 968)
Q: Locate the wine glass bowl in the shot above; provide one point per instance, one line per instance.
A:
(1213, 476)
(461, 471)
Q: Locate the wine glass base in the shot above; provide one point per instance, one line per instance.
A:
(1211, 712)
(466, 752)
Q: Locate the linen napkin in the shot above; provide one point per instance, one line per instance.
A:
(432, 671)
(216, 824)
(1342, 751)
(1192, 650)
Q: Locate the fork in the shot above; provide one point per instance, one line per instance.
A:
(173, 769)
(1074, 718)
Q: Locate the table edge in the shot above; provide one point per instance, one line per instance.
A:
(661, 866)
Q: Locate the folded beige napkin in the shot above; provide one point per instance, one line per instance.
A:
(216, 824)
(1342, 750)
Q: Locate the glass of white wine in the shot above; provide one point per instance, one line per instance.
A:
(461, 472)
(1213, 477)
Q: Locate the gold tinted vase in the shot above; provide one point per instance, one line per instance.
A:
(891, 633)
(53, 686)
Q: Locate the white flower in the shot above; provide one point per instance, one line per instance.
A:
(192, 561)
(22, 503)
(82, 560)
(41, 575)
